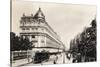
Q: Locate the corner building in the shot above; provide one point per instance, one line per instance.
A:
(40, 34)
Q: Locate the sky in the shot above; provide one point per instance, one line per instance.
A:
(67, 20)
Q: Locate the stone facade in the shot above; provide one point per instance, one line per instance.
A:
(39, 32)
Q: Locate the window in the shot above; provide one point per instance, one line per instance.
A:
(33, 36)
(27, 28)
(23, 28)
(36, 28)
(42, 41)
(32, 28)
(42, 29)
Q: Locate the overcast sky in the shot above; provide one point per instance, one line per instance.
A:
(67, 20)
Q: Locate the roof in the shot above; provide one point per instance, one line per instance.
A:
(39, 14)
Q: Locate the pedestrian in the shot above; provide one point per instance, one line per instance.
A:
(32, 56)
(56, 58)
(28, 58)
(33, 59)
(54, 62)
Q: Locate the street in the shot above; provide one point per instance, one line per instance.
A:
(61, 60)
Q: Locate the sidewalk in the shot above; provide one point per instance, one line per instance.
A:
(24, 62)
(19, 63)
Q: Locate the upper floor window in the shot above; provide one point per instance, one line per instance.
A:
(27, 29)
(23, 28)
(33, 36)
(42, 29)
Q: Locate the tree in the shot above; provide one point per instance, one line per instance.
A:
(91, 52)
(14, 41)
(12, 38)
(19, 43)
(25, 44)
(86, 42)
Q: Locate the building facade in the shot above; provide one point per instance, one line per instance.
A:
(40, 34)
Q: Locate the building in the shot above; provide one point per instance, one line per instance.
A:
(41, 35)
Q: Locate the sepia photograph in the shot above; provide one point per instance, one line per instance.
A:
(45, 33)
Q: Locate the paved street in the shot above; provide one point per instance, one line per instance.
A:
(60, 59)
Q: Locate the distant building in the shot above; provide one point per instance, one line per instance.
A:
(41, 35)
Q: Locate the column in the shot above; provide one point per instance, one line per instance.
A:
(39, 41)
(45, 40)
